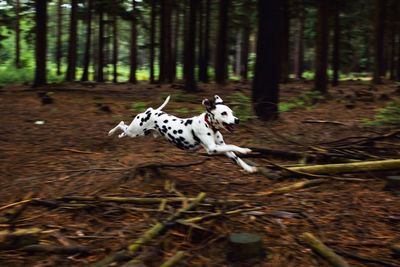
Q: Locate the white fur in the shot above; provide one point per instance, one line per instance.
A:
(190, 133)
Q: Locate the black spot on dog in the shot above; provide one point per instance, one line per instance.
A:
(174, 119)
(208, 134)
(174, 131)
(206, 125)
(137, 117)
(169, 128)
(182, 139)
(165, 121)
(188, 122)
(195, 137)
(141, 124)
(147, 112)
(180, 131)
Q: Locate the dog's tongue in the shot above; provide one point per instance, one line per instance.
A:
(229, 128)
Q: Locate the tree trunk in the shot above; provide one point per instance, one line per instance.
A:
(336, 45)
(115, 47)
(17, 35)
(190, 47)
(133, 55)
(200, 38)
(205, 55)
(299, 43)
(175, 40)
(285, 42)
(152, 38)
(221, 59)
(379, 33)
(322, 46)
(165, 42)
(393, 33)
(267, 69)
(41, 42)
(71, 69)
(100, 56)
(88, 43)
(59, 36)
(244, 57)
(238, 51)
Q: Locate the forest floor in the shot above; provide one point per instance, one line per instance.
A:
(62, 149)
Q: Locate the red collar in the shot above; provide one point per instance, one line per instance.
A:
(208, 122)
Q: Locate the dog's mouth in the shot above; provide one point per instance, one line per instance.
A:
(228, 127)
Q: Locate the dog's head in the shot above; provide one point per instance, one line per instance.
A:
(220, 115)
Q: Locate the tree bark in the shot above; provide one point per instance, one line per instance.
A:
(285, 42)
(59, 36)
(393, 33)
(299, 43)
(200, 54)
(267, 69)
(88, 43)
(322, 46)
(336, 45)
(379, 34)
(190, 47)
(71, 69)
(221, 53)
(41, 42)
(152, 38)
(17, 35)
(100, 56)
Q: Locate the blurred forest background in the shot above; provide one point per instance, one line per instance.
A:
(123, 41)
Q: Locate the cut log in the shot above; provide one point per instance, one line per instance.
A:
(327, 253)
(130, 251)
(243, 246)
(364, 166)
(57, 249)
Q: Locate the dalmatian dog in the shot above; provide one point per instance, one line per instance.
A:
(190, 133)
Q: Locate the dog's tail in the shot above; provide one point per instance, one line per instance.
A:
(164, 104)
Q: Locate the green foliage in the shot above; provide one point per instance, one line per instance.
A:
(387, 116)
(307, 99)
(241, 106)
(139, 106)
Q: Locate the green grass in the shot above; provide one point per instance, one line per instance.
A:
(305, 100)
(387, 116)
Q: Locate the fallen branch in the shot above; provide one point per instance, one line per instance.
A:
(70, 250)
(292, 187)
(19, 238)
(131, 200)
(174, 259)
(322, 121)
(323, 250)
(364, 166)
(130, 251)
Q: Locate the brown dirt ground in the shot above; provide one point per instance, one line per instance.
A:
(356, 217)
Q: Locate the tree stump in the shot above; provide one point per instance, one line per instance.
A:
(243, 246)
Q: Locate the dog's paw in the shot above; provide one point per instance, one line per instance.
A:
(111, 132)
(245, 150)
(122, 135)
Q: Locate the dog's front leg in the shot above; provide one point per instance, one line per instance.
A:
(220, 140)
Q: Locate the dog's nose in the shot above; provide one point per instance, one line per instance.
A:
(237, 121)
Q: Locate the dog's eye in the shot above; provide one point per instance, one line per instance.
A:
(224, 113)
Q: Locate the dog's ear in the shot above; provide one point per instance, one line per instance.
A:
(208, 104)
(218, 100)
